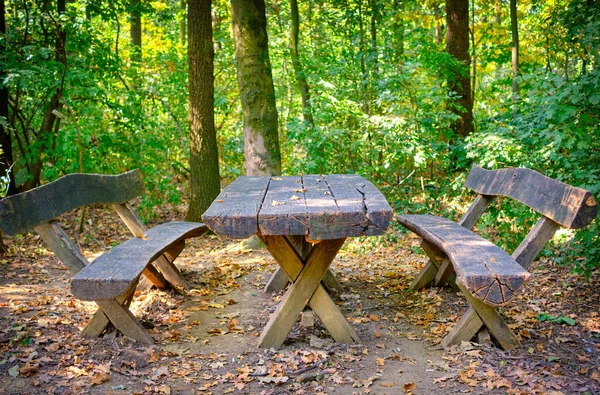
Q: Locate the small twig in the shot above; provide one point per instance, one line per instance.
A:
(311, 367)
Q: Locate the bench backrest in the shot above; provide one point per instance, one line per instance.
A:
(560, 204)
(569, 206)
(25, 211)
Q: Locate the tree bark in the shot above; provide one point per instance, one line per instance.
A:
(363, 66)
(204, 157)
(398, 29)
(438, 26)
(514, 27)
(135, 31)
(261, 138)
(6, 157)
(298, 70)
(457, 45)
(182, 23)
(50, 123)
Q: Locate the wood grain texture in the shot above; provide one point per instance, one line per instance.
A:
(320, 207)
(328, 312)
(22, 212)
(283, 211)
(64, 249)
(234, 212)
(114, 272)
(535, 241)
(488, 272)
(294, 301)
(570, 206)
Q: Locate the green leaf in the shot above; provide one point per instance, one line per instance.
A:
(552, 358)
(14, 371)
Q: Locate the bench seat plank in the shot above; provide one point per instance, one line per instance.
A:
(488, 272)
(114, 272)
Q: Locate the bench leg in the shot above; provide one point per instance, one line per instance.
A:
(171, 273)
(125, 322)
(100, 322)
(438, 270)
(306, 287)
(477, 315)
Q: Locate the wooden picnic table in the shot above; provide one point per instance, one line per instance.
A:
(303, 222)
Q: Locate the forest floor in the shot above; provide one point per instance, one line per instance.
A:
(206, 340)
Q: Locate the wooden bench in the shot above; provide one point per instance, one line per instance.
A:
(487, 275)
(112, 278)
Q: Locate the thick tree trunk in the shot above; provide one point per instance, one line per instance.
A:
(457, 45)
(398, 29)
(50, 123)
(514, 27)
(261, 138)
(135, 31)
(204, 157)
(300, 77)
(6, 157)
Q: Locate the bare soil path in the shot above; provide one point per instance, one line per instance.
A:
(206, 340)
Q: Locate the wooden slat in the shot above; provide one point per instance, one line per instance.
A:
(234, 212)
(351, 218)
(26, 210)
(322, 210)
(486, 270)
(116, 270)
(378, 211)
(570, 206)
(283, 210)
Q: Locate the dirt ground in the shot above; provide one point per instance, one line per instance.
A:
(206, 339)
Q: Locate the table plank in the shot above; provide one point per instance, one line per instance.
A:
(234, 212)
(378, 211)
(322, 210)
(352, 218)
(284, 208)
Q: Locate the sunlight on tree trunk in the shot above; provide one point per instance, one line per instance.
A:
(298, 70)
(204, 157)
(261, 139)
(135, 32)
(514, 27)
(457, 45)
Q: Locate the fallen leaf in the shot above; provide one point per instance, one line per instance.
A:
(409, 387)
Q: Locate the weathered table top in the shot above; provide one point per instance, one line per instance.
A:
(322, 207)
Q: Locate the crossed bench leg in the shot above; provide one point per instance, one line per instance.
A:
(306, 276)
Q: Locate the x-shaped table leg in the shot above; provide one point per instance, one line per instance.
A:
(306, 288)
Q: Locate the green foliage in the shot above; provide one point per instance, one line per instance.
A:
(557, 320)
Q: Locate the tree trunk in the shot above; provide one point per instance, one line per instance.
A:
(363, 66)
(398, 29)
(182, 23)
(514, 27)
(498, 13)
(50, 123)
(374, 55)
(204, 156)
(261, 138)
(300, 77)
(6, 157)
(457, 45)
(438, 26)
(135, 31)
